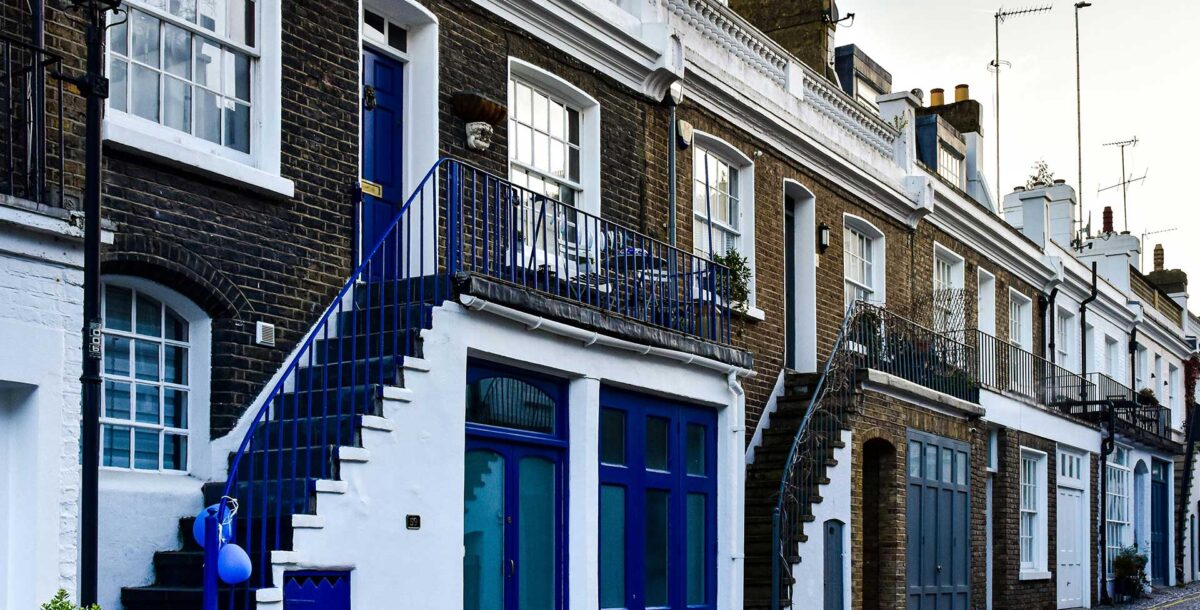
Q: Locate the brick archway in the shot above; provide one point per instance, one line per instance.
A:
(878, 508)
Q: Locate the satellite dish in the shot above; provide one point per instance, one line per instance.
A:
(834, 14)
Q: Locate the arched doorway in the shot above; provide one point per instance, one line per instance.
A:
(879, 523)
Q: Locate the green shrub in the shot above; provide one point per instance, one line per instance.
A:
(62, 602)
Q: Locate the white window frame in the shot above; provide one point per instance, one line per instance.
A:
(953, 267)
(199, 363)
(1112, 357)
(745, 242)
(878, 260)
(1064, 337)
(1033, 513)
(951, 166)
(1119, 490)
(1173, 383)
(260, 169)
(589, 126)
(1140, 364)
(1022, 307)
(986, 296)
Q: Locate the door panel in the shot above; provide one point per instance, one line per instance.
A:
(938, 521)
(483, 531)
(536, 536)
(834, 555)
(1159, 547)
(1071, 549)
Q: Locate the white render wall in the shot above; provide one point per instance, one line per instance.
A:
(835, 504)
(414, 465)
(41, 288)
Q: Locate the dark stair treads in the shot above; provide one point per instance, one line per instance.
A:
(270, 498)
(343, 430)
(374, 319)
(313, 462)
(362, 399)
(179, 568)
(427, 289)
(385, 371)
(350, 347)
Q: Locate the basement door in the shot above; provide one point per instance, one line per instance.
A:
(938, 523)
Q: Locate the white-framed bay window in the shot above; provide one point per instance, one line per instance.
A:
(723, 202)
(1118, 512)
(1033, 518)
(197, 83)
(154, 395)
(863, 261)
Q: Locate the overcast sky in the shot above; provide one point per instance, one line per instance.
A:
(1139, 79)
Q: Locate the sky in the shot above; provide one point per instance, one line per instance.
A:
(1139, 65)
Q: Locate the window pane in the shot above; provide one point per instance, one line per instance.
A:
(175, 412)
(657, 551)
(212, 15)
(145, 93)
(175, 365)
(541, 113)
(116, 356)
(208, 116)
(149, 316)
(612, 546)
(612, 437)
(961, 467)
(914, 459)
(184, 9)
(696, 449)
(116, 446)
(118, 34)
(947, 465)
(237, 127)
(118, 308)
(146, 360)
(147, 404)
(656, 443)
(931, 463)
(116, 400)
(511, 403)
(696, 547)
(177, 108)
(573, 126)
(175, 452)
(118, 87)
(237, 75)
(177, 52)
(208, 63)
(177, 327)
(145, 38)
(145, 449)
(241, 21)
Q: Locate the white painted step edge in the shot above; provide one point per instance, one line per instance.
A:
(353, 454)
(416, 364)
(308, 522)
(398, 394)
(269, 596)
(332, 487)
(374, 422)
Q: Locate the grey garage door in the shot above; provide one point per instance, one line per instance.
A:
(938, 554)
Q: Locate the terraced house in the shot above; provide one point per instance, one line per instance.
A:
(566, 304)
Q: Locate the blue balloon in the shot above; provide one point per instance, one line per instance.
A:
(198, 526)
(233, 564)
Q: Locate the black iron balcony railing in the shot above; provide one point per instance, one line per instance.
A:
(1004, 367)
(1134, 411)
(32, 159)
(886, 341)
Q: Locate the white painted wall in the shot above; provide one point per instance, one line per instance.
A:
(417, 466)
(835, 504)
(41, 288)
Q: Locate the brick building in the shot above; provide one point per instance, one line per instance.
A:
(375, 266)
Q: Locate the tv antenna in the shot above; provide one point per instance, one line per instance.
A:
(1126, 179)
(1000, 17)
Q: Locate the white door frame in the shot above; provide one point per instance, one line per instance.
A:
(1081, 484)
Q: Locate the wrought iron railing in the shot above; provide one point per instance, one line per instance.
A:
(871, 337)
(1004, 367)
(1134, 411)
(32, 149)
(358, 344)
(510, 233)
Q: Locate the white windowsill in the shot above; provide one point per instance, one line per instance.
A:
(756, 313)
(1034, 575)
(130, 134)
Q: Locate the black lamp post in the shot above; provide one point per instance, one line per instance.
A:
(94, 85)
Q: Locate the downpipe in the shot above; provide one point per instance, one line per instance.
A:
(1083, 345)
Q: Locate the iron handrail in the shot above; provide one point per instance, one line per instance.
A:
(1004, 366)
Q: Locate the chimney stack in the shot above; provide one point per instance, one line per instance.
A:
(1108, 219)
(962, 93)
(937, 97)
(1159, 257)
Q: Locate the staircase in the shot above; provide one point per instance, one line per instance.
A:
(311, 429)
(764, 475)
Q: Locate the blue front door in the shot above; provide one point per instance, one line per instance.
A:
(383, 152)
(514, 499)
(1159, 547)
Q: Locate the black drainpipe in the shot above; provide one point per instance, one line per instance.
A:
(1049, 314)
(1083, 333)
(672, 136)
(1106, 448)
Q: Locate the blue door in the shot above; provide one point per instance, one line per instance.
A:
(835, 580)
(938, 523)
(658, 509)
(514, 491)
(383, 151)
(1159, 547)
(316, 590)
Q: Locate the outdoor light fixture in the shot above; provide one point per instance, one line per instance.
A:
(823, 238)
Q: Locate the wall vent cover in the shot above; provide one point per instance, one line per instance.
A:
(264, 334)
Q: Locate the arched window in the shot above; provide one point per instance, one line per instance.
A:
(154, 395)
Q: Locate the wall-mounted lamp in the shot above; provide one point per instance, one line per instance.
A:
(823, 238)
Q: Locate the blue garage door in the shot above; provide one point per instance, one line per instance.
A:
(939, 559)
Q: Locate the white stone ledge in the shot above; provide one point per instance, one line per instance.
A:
(905, 389)
(397, 394)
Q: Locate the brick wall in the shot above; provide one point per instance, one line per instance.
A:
(887, 418)
(1008, 590)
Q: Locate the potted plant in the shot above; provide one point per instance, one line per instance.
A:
(62, 602)
(1129, 574)
(739, 281)
(1145, 396)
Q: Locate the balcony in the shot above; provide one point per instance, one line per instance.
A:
(526, 250)
(32, 163)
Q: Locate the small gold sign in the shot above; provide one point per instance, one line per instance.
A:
(372, 189)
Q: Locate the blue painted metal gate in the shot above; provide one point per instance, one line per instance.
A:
(939, 508)
(308, 590)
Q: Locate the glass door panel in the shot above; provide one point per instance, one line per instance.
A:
(536, 533)
(483, 531)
